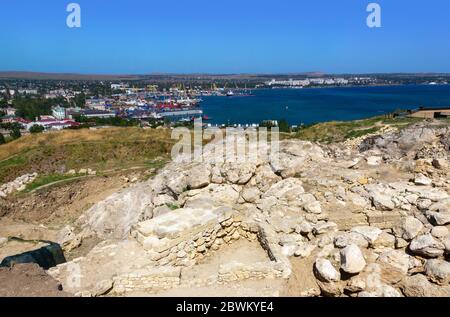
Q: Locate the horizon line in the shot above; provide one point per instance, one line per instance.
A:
(16, 72)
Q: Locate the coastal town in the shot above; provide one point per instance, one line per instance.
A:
(45, 105)
(225, 157)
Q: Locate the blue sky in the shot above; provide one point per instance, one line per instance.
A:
(208, 36)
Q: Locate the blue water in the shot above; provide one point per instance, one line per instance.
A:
(322, 104)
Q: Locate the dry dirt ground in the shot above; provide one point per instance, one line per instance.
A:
(62, 204)
(28, 280)
(38, 216)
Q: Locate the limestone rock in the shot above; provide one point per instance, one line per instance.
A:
(427, 246)
(102, 288)
(439, 218)
(419, 286)
(438, 271)
(324, 227)
(265, 177)
(395, 258)
(344, 239)
(352, 259)
(313, 207)
(421, 179)
(68, 239)
(356, 284)
(284, 187)
(325, 271)
(408, 228)
(439, 232)
(238, 173)
(371, 234)
(114, 216)
(330, 289)
(447, 245)
(389, 291)
(385, 240)
(199, 177)
(382, 202)
(250, 194)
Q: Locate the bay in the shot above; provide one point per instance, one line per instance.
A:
(311, 105)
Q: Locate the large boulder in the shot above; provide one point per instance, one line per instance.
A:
(238, 173)
(408, 228)
(284, 188)
(427, 246)
(292, 157)
(352, 259)
(422, 180)
(250, 194)
(313, 207)
(113, 217)
(382, 202)
(439, 218)
(396, 258)
(369, 233)
(438, 271)
(325, 271)
(199, 177)
(344, 239)
(419, 286)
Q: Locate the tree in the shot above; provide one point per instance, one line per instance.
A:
(3, 103)
(36, 129)
(80, 100)
(283, 125)
(15, 133)
(2, 139)
(31, 108)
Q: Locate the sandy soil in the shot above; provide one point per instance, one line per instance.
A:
(28, 280)
(64, 203)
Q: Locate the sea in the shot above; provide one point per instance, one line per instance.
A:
(313, 105)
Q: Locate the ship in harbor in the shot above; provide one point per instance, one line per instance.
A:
(171, 109)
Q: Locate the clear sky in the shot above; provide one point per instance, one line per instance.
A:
(210, 36)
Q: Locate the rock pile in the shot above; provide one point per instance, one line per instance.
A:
(18, 184)
(373, 217)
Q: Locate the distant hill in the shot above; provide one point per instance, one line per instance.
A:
(64, 76)
(155, 76)
(197, 76)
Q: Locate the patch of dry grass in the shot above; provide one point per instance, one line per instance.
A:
(100, 149)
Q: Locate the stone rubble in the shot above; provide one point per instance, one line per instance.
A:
(17, 185)
(372, 214)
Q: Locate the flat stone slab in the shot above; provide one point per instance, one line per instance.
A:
(166, 230)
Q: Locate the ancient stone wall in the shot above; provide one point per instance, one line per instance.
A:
(187, 247)
(232, 272)
(148, 281)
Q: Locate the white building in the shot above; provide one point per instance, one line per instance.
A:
(59, 112)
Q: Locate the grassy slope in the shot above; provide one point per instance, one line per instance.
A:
(335, 131)
(49, 154)
(100, 150)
